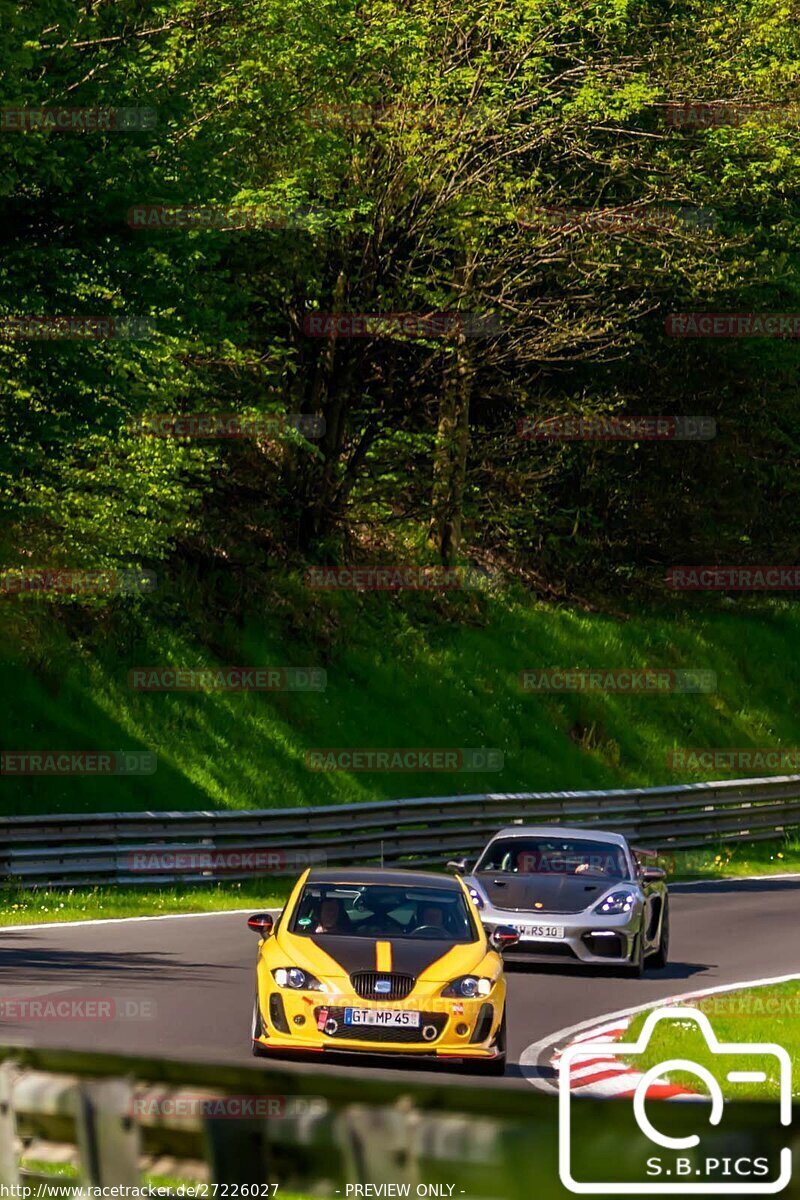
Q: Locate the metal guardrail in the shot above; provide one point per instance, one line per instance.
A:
(136, 848)
(117, 1118)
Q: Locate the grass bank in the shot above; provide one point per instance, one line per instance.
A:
(402, 671)
(19, 907)
(762, 1014)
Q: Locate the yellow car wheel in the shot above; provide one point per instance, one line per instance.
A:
(493, 1066)
(257, 1031)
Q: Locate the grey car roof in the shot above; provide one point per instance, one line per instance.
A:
(603, 835)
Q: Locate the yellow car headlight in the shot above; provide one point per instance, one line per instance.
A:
(297, 980)
(468, 987)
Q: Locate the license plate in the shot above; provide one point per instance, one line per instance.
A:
(544, 932)
(381, 1016)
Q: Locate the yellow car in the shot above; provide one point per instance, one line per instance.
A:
(381, 961)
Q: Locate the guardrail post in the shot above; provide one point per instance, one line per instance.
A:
(106, 1133)
(9, 1167)
(380, 1144)
(238, 1151)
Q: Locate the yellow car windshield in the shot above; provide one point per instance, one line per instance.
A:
(383, 911)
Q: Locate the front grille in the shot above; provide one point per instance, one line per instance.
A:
(382, 1033)
(546, 949)
(364, 983)
(605, 945)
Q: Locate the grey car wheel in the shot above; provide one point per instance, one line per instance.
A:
(661, 954)
(636, 962)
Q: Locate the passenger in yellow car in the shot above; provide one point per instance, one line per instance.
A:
(332, 917)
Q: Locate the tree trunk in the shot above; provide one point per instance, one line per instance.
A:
(450, 457)
(452, 439)
(330, 393)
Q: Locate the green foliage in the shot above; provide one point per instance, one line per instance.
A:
(390, 158)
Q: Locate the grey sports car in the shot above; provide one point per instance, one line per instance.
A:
(574, 895)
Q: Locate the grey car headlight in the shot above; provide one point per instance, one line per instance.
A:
(615, 903)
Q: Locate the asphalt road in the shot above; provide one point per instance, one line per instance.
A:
(183, 988)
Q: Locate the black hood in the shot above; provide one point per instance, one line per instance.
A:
(544, 893)
(410, 956)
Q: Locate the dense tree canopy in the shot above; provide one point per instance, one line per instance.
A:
(527, 165)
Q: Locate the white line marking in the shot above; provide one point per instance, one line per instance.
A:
(605, 1032)
(223, 912)
(616, 1086)
(690, 883)
(598, 1068)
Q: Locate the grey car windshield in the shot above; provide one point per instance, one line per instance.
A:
(383, 911)
(554, 856)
